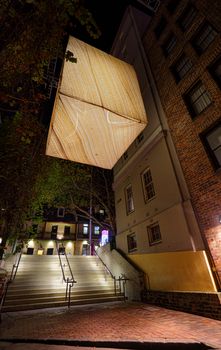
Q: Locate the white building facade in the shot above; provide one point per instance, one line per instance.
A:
(156, 225)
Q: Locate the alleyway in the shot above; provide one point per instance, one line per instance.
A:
(123, 325)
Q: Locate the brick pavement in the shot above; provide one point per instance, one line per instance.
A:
(118, 322)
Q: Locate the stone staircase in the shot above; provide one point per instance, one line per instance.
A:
(39, 283)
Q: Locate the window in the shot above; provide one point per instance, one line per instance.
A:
(131, 242)
(54, 229)
(172, 6)
(204, 37)
(85, 229)
(212, 142)
(187, 17)
(96, 230)
(60, 212)
(215, 71)
(154, 234)
(169, 44)
(160, 27)
(129, 199)
(148, 187)
(67, 230)
(181, 67)
(197, 99)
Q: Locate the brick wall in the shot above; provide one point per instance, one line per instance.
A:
(203, 181)
(203, 304)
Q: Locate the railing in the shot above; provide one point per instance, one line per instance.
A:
(69, 280)
(121, 279)
(15, 266)
(122, 284)
(4, 283)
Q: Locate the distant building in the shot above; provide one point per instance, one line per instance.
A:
(167, 185)
(65, 230)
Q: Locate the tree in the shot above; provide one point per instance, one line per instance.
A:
(74, 185)
(32, 33)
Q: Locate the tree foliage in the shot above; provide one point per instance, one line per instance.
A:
(32, 33)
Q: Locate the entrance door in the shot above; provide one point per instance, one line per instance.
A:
(50, 251)
(85, 249)
(30, 251)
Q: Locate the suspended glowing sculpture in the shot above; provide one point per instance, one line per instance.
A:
(98, 111)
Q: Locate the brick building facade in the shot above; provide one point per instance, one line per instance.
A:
(183, 46)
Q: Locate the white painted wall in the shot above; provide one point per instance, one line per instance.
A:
(119, 267)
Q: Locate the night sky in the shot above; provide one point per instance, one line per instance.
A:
(108, 15)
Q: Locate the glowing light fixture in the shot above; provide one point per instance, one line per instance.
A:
(98, 111)
(31, 243)
(69, 245)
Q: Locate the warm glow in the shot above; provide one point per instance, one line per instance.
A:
(98, 110)
(85, 242)
(69, 245)
(209, 270)
(40, 252)
(50, 244)
(31, 244)
(60, 236)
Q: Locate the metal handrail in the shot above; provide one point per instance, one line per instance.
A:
(4, 283)
(69, 281)
(121, 279)
(15, 266)
(94, 251)
(122, 283)
(106, 269)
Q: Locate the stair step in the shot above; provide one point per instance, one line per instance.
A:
(42, 293)
(58, 297)
(39, 283)
(62, 303)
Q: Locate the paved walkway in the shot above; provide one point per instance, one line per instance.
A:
(107, 326)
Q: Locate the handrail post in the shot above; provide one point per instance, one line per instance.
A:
(69, 281)
(15, 267)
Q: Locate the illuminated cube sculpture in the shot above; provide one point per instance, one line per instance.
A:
(98, 110)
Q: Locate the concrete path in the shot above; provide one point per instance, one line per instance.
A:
(117, 325)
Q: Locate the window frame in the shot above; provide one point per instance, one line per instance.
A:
(59, 210)
(212, 69)
(169, 44)
(54, 229)
(191, 104)
(129, 199)
(67, 230)
(97, 230)
(84, 226)
(131, 247)
(153, 241)
(198, 35)
(183, 21)
(147, 198)
(207, 145)
(176, 71)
